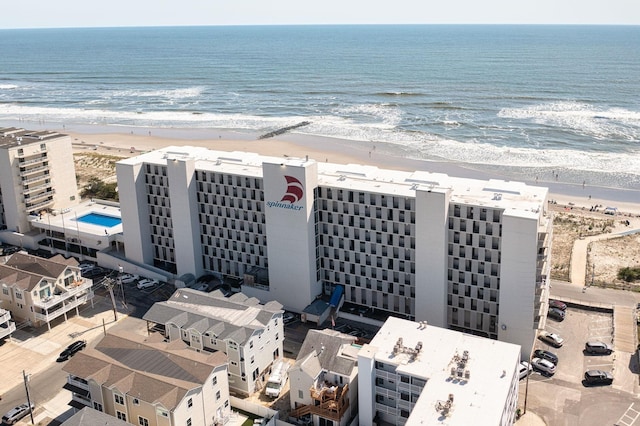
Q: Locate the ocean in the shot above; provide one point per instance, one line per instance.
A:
(535, 102)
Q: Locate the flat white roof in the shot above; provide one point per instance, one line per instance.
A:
(494, 193)
(66, 220)
(491, 365)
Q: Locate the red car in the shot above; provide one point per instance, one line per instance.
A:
(557, 304)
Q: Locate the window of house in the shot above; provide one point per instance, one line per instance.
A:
(217, 395)
(136, 401)
(189, 422)
(97, 406)
(215, 380)
(122, 416)
(190, 402)
(118, 399)
(300, 394)
(142, 421)
(226, 403)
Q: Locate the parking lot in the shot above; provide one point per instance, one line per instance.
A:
(563, 399)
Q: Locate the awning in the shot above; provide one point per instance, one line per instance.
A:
(77, 404)
(75, 389)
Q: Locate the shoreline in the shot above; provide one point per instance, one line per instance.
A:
(120, 141)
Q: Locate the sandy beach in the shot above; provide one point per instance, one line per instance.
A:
(129, 142)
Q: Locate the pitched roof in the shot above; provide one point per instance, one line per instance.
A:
(235, 318)
(147, 368)
(328, 345)
(90, 417)
(25, 271)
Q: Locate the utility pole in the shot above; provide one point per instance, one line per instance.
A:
(108, 283)
(25, 377)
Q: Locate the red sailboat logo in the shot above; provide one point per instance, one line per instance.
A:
(295, 190)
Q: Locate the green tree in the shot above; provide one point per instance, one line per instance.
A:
(96, 188)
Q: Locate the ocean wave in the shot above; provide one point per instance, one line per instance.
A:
(182, 93)
(398, 94)
(8, 86)
(581, 118)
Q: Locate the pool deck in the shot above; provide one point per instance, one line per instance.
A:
(66, 221)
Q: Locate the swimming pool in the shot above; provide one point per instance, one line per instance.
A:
(100, 220)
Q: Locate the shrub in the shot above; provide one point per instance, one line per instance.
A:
(629, 274)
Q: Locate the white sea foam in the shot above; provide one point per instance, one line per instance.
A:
(582, 118)
(183, 93)
(8, 86)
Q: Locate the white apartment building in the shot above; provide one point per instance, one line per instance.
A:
(324, 379)
(149, 382)
(417, 374)
(37, 290)
(471, 255)
(36, 174)
(250, 334)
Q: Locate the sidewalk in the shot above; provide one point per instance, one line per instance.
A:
(35, 350)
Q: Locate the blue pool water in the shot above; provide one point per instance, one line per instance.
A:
(100, 220)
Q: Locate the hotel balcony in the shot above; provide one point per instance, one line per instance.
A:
(28, 172)
(40, 196)
(27, 155)
(35, 179)
(6, 325)
(33, 161)
(35, 188)
(35, 207)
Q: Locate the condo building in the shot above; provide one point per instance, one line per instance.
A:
(471, 255)
(147, 381)
(37, 291)
(416, 374)
(36, 175)
(249, 333)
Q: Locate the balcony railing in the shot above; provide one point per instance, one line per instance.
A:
(33, 170)
(31, 189)
(35, 179)
(71, 291)
(35, 207)
(66, 307)
(39, 196)
(32, 161)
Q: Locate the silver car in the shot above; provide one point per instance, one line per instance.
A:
(543, 365)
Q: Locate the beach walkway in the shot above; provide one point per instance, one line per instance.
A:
(580, 249)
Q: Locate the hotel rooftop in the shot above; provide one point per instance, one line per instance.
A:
(491, 193)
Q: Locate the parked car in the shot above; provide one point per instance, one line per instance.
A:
(146, 283)
(71, 350)
(597, 377)
(85, 266)
(548, 355)
(128, 278)
(16, 414)
(201, 287)
(94, 272)
(556, 314)
(524, 369)
(543, 365)
(288, 317)
(551, 338)
(594, 347)
(557, 304)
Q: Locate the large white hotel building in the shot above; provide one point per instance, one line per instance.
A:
(471, 255)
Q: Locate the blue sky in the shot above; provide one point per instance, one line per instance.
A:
(84, 13)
